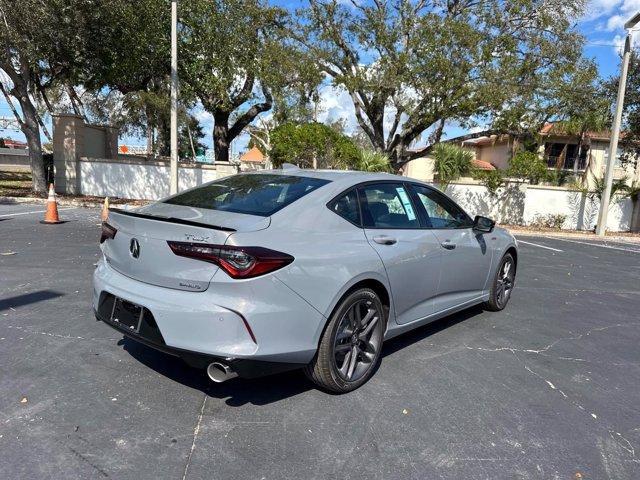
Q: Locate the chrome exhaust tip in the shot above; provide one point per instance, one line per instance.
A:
(219, 372)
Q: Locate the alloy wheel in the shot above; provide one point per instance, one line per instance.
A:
(357, 340)
(505, 279)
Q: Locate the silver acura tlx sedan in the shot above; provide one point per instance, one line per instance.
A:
(274, 270)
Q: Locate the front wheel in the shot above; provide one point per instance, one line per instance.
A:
(502, 286)
(350, 346)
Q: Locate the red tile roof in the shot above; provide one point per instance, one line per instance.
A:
(482, 165)
(553, 129)
(254, 156)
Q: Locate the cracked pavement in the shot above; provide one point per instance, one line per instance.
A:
(548, 388)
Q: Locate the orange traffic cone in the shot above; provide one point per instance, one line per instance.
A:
(105, 210)
(51, 217)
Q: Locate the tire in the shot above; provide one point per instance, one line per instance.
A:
(502, 286)
(351, 333)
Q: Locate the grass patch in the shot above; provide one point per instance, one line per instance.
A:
(15, 184)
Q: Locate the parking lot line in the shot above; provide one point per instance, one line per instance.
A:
(593, 244)
(540, 246)
(33, 211)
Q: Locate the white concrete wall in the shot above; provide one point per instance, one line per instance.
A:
(522, 204)
(580, 209)
(507, 206)
(140, 180)
(516, 203)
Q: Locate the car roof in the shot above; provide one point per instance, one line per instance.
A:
(340, 176)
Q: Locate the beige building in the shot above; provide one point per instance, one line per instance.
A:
(560, 150)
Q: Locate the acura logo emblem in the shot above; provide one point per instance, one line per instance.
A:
(134, 248)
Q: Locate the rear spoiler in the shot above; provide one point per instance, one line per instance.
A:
(180, 221)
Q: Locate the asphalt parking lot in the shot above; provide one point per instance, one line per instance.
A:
(548, 388)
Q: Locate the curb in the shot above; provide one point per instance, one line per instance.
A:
(64, 202)
(611, 237)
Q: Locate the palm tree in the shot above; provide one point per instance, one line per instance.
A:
(451, 162)
(373, 161)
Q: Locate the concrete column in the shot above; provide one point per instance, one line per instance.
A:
(68, 147)
(635, 216)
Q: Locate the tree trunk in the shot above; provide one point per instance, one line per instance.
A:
(31, 130)
(149, 131)
(221, 136)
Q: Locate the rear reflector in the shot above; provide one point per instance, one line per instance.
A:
(107, 232)
(237, 262)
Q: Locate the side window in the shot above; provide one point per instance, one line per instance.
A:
(441, 212)
(387, 205)
(347, 207)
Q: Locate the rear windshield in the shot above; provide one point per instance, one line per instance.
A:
(255, 194)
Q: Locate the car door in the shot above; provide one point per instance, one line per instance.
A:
(411, 255)
(466, 259)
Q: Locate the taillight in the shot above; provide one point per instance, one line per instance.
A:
(238, 262)
(107, 232)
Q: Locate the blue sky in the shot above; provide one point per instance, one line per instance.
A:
(602, 26)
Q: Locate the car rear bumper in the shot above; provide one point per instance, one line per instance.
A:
(245, 368)
(218, 324)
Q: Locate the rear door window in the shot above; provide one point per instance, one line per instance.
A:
(387, 205)
(347, 207)
(251, 194)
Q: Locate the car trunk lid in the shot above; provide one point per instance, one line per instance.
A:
(140, 250)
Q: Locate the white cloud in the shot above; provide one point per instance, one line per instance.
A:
(335, 104)
(599, 8)
(615, 22)
(617, 11)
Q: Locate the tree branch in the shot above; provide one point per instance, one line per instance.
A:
(11, 106)
(247, 117)
(244, 93)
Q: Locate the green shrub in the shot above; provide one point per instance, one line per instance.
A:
(451, 162)
(633, 191)
(550, 220)
(300, 144)
(528, 166)
(373, 161)
(491, 179)
(559, 178)
(617, 186)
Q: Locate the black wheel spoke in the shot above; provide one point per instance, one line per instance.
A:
(364, 334)
(358, 316)
(345, 363)
(353, 360)
(351, 318)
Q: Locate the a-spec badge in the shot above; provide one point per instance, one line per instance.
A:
(192, 286)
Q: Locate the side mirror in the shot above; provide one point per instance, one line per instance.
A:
(483, 224)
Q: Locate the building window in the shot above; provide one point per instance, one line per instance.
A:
(618, 161)
(564, 156)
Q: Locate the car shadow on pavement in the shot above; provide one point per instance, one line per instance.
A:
(237, 391)
(421, 333)
(273, 388)
(28, 299)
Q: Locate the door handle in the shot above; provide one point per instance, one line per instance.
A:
(448, 245)
(384, 240)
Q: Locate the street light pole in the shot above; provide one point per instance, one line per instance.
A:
(173, 184)
(601, 228)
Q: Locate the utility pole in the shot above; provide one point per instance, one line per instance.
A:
(601, 228)
(173, 185)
